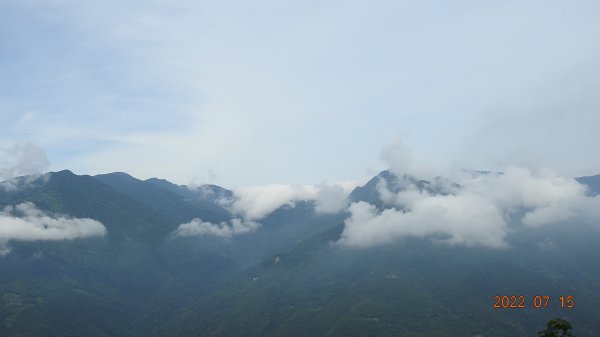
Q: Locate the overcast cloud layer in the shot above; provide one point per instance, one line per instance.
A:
(25, 222)
(293, 92)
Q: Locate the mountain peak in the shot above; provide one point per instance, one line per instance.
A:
(592, 183)
(62, 173)
(395, 183)
(116, 175)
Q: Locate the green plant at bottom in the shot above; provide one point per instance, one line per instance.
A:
(556, 328)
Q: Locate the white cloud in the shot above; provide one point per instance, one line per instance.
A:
(482, 213)
(467, 220)
(523, 187)
(259, 201)
(25, 222)
(579, 208)
(331, 199)
(19, 160)
(197, 227)
(401, 161)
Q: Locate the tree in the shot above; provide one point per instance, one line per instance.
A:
(556, 328)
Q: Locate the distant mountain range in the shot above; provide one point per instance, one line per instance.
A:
(287, 277)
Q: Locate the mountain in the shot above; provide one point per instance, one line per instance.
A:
(98, 286)
(288, 277)
(117, 285)
(393, 183)
(207, 195)
(592, 182)
(284, 228)
(85, 197)
(167, 200)
(413, 288)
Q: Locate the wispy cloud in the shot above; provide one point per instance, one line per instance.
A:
(21, 159)
(25, 222)
(197, 227)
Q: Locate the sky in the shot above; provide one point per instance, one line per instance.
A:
(242, 93)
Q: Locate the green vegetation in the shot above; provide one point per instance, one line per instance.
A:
(557, 328)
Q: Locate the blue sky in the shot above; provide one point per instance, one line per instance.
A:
(249, 93)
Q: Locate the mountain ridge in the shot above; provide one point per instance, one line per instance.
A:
(289, 277)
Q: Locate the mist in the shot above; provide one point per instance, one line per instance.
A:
(197, 227)
(25, 160)
(26, 222)
(477, 210)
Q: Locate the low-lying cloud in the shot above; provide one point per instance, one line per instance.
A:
(197, 227)
(482, 212)
(25, 222)
(257, 202)
(254, 203)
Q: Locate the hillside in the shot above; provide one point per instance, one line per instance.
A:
(289, 277)
(412, 288)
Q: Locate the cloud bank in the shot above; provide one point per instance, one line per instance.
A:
(25, 222)
(481, 213)
(197, 227)
(259, 201)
